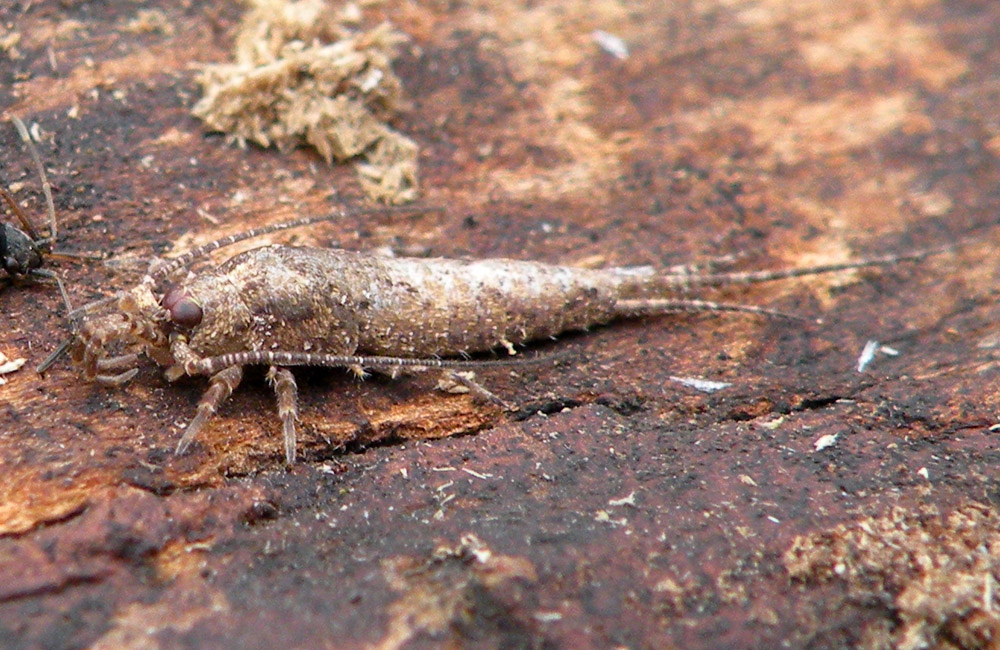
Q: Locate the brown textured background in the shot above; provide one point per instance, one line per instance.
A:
(617, 508)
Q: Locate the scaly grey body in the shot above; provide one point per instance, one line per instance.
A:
(283, 306)
(341, 302)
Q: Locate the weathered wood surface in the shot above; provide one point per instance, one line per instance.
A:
(618, 508)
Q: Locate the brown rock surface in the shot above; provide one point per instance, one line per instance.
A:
(617, 507)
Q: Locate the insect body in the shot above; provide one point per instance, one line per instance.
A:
(284, 306)
(21, 251)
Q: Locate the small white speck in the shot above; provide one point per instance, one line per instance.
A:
(372, 81)
(823, 442)
(611, 43)
(773, 519)
(628, 500)
(774, 424)
(703, 385)
(547, 617)
(867, 355)
(924, 473)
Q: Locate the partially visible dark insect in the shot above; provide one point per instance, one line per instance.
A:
(23, 251)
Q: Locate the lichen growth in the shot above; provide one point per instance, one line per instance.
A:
(304, 75)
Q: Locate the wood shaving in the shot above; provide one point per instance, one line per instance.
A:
(8, 366)
(303, 76)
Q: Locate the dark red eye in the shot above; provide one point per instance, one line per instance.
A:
(186, 313)
(183, 311)
(172, 297)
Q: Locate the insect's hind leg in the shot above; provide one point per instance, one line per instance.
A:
(285, 389)
(222, 385)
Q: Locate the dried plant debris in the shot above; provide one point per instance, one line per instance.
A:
(305, 75)
(937, 573)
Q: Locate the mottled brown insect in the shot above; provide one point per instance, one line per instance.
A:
(284, 306)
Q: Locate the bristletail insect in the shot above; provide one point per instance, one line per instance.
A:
(283, 306)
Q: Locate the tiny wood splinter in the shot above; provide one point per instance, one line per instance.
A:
(284, 306)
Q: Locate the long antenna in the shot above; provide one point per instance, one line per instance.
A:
(173, 264)
(182, 260)
(46, 186)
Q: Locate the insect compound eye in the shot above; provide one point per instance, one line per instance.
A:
(172, 297)
(186, 313)
(183, 310)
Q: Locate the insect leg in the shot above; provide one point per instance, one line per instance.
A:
(45, 273)
(657, 306)
(116, 380)
(451, 379)
(125, 364)
(93, 337)
(283, 382)
(221, 387)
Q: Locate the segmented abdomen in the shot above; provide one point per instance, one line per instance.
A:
(424, 307)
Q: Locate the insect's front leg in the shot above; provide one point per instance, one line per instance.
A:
(221, 387)
(223, 383)
(182, 359)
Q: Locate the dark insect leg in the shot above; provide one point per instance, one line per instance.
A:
(222, 386)
(45, 273)
(283, 382)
